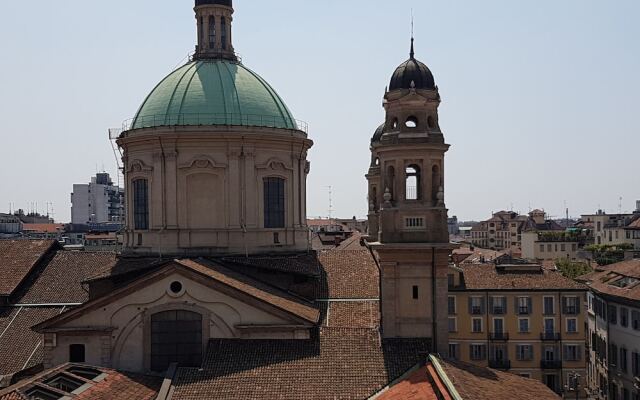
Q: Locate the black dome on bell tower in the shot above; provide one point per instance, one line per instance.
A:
(228, 3)
(414, 71)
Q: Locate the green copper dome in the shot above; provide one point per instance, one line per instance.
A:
(214, 92)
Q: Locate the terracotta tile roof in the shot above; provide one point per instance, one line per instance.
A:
(256, 289)
(120, 265)
(61, 280)
(635, 223)
(608, 280)
(350, 274)
(416, 386)
(17, 259)
(486, 276)
(340, 364)
(478, 255)
(353, 242)
(480, 383)
(20, 347)
(108, 385)
(43, 228)
(360, 314)
(303, 264)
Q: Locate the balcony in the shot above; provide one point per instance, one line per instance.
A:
(551, 364)
(497, 310)
(476, 310)
(500, 364)
(523, 311)
(550, 336)
(499, 336)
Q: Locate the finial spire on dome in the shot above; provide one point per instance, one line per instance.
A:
(412, 52)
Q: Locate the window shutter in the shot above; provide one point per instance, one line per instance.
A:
(470, 305)
(530, 305)
(518, 352)
(483, 352)
(565, 353)
(471, 351)
(516, 306)
(491, 305)
(578, 301)
(530, 352)
(482, 305)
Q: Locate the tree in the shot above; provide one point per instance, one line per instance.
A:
(572, 269)
(605, 254)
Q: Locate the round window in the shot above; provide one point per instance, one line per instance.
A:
(176, 287)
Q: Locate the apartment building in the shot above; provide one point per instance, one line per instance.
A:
(615, 229)
(613, 336)
(553, 245)
(99, 201)
(504, 230)
(516, 316)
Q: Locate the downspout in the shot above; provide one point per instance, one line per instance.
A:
(434, 297)
(379, 282)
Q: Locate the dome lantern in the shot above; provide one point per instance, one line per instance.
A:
(214, 18)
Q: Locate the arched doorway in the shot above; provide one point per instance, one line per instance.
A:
(176, 337)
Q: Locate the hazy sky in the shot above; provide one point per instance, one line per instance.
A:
(540, 98)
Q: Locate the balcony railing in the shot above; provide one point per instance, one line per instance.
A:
(550, 336)
(523, 310)
(551, 364)
(500, 364)
(186, 119)
(499, 336)
(476, 310)
(497, 310)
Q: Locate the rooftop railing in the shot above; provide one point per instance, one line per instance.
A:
(192, 119)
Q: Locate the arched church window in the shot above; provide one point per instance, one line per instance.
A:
(431, 122)
(176, 337)
(274, 203)
(435, 183)
(212, 32)
(373, 201)
(223, 32)
(141, 204)
(376, 162)
(412, 122)
(412, 186)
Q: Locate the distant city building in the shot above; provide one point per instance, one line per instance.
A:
(453, 226)
(497, 319)
(10, 225)
(615, 229)
(614, 331)
(43, 231)
(504, 230)
(97, 202)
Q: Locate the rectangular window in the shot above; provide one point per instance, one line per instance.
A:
(453, 326)
(570, 305)
(476, 325)
(451, 280)
(524, 352)
(623, 359)
(498, 305)
(613, 314)
(548, 306)
(454, 351)
(613, 354)
(274, 209)
(624, 317)
(415, 293)
(452, 305)
(478, 352)
(572, 352)
(523, 305)
(523, 325)
(635, 320)
(141, 204)
(541, 248)
(572, 325)
(635, 364)
(563, 247)
(414, 222)
(476, 305)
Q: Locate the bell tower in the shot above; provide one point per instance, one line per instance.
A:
(214, 18)
(407, 213)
